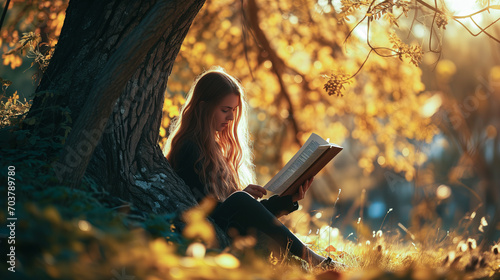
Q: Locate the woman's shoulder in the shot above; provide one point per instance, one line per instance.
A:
(188, 149)
(185, 154)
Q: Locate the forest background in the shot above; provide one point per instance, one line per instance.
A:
(420, 133)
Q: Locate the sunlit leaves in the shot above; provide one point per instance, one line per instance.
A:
(441, 20)
(414, 52)
(12, 59)
(376, 11)
(30, 44)
(392, 19)
(4, 84)
(12, 110)
(197, 226)
(348, 7)
(30, 39)
(380, 9)
(31, 18)
(171, 108)
(336, 83)
(445, 69)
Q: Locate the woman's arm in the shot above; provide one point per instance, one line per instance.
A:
(279, 205)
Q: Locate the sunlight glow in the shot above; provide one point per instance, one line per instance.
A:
(431, 106)
(360, 32)
(443, 192)
(419, 30)
(471, 244)
(335, 233)
(484, 222)
(84, 225)
(196, 250)
(228, 261)
(491, 131)
(381, 160)
(462, 7)
(337, 5)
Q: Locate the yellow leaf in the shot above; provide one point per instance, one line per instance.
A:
(197, 225)
(272, 259)
(330, 249)
(52, 215)
(227, 261)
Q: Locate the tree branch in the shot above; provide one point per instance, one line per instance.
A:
(277, 62)
(483, 30)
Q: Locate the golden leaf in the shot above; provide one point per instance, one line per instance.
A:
(227, 261)
(330, 249)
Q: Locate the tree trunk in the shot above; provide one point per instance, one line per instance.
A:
(110, 69)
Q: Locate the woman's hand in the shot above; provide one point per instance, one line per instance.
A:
(255, 190)
(302, 190)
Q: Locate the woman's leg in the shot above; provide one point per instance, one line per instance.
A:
(243, 212)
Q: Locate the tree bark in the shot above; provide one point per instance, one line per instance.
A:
(128, 159)
(110, 69)
(108, 86)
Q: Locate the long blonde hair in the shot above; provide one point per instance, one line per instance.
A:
(225, 157)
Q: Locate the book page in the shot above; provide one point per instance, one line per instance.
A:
(279, 182)
(305, 165)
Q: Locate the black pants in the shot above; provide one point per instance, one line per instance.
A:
(243, 212)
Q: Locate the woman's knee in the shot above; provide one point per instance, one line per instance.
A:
(237, 204)
(240, 195)
(241, 199)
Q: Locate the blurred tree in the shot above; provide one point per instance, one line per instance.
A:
(470, 123)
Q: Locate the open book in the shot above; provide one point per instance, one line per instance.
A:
(306, 163)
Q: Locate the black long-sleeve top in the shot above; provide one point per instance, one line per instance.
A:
(185, 168)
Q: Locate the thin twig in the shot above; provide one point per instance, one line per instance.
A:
(4, 13)
(482, 30)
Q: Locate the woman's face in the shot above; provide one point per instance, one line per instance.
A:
(224, 111)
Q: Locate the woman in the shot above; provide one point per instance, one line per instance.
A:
(209, 149)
